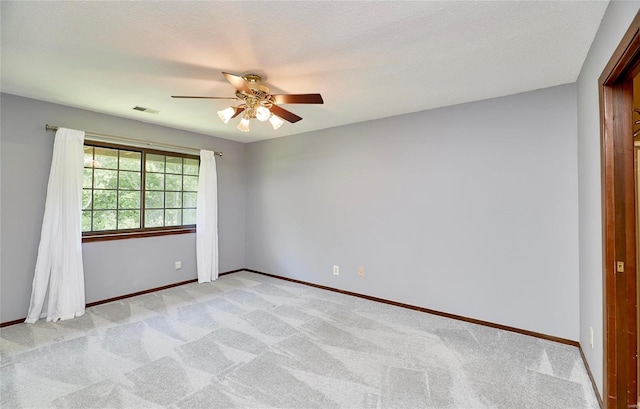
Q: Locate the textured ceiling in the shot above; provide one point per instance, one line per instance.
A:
(368, 59)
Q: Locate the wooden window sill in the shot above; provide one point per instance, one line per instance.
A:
(116, 235)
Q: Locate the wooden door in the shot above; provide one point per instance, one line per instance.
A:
(636, 144)
(619, 222)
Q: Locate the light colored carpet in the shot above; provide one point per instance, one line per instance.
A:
(251, 341)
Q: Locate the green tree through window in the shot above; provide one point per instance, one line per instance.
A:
(137, 190)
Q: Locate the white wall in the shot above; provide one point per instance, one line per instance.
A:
(112, 268)
(470, 209)
(614, 24)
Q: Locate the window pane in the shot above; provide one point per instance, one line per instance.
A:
(153, 200)
(173, 200)
(154, 181)
(154, 218)
(174, 182)
(189, 216)
(86, 199)
(105, 179)
(104, 220)
(154, 163)
(129, 180)
(130, 160)
(191, 166)
(174, 165)
(87, 178)
(191, 183)
(129, 219)
(190, 199)
(128, 200)
(106, 158)
(104, 199)
(173, 217)
(88, 156)
(115, 180)
(86, 220)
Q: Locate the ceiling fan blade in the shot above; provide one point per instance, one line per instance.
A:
(284, 114)
(238, 82)
(188, 96)
(297, 98)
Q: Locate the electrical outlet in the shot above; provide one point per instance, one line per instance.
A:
(178, 265)
(591, 337)
(336, 270)
(361, 271)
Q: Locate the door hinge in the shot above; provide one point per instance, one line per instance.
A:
(620, 266)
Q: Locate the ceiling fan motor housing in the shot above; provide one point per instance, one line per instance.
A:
(260, 97)
(254, 82)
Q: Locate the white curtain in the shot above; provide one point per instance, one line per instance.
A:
(207, 219)
(59, 262)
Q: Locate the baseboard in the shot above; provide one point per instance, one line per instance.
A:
(593, 381)
(121, 297)
(14, 322)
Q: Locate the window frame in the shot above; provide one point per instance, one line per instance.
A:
(91, 236)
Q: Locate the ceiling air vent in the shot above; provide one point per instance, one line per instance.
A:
(147, 110)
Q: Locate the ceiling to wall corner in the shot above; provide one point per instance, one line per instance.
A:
(369, 60)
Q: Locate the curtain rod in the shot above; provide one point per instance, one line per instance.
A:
(138, 141)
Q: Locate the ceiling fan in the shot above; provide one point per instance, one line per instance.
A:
(257, 102)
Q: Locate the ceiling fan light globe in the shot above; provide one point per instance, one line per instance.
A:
(243, 125)
(262, 113)
(226, 114)
(276, 122)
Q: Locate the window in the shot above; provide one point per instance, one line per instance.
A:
(134, 191)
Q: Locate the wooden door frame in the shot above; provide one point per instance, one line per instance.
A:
(619, 222)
